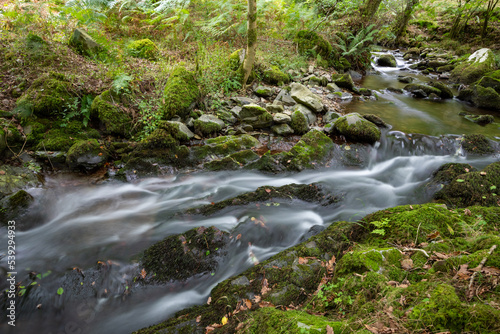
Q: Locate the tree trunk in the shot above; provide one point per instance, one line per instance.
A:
(402, 21)
(251, 41)
(489, 10)
(369, 10)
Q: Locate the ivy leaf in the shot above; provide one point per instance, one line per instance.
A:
(60, 291)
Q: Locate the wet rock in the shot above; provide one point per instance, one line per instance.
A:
(301, 119)
(486, 97)
(282, 129)
(179, 257)
(365, 92)
(357, 129)
(304, 96)
(264, 91)
(445, 68)
(256, 116)
(177, 130)
(417, 90)
(314, 150)
(233, 161)
(13, 206)
(386, 60)
(395, 90)
(223, 146)
(404, 79)
(478, 144)
(376, 120)
(445, 174)
(480, 119)
(290, 192)
(445, 91)
(86, 155)
(356, 76)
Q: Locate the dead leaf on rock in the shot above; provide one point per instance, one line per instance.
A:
(463, 272)
(433, 235)
(303, 260)
(248, 303)
(265, 287)
(266, 304)
(441, 256)
(407, 264)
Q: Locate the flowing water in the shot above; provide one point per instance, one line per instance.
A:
(77, 226)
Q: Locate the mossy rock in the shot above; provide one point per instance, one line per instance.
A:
(86, 155)
(115, 120)
(274, 76)
(477, 144)
(344, 81)
(256, 116)
(486, 97)
(478, 64)
(313, 193)
(299, 123)
(177, 130)
(425, 88)
(301, 94)
(180, 257)
(313, 150)
(480, 119)
(475, 188)
(58, 138)
(224, 146)
(13, 179)
(180, 94)
(13, 206)
(233, 161)
(236, 59)
(159, 138)
(312, 44)
(356, 128)
(84, 44)
(377, 120)
(490, 81)
(445, 92)
(445, 174)
(387, 60)
(208, 124)
(374, 259)
(144, 48)
(9, 137)
(46, 97)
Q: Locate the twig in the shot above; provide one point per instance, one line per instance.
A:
(470, 292)
(416, 249)
(416, 238)
(53, 169)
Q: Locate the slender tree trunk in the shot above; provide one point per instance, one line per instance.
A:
(402, 21)
(251, 41)
(369, 10)
(489, 10)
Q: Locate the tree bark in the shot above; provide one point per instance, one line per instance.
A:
(251, 41)
(369, 10)
(489, 10)
(402, 21)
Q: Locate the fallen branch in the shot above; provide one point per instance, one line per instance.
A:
(470, 292)
(416, 249)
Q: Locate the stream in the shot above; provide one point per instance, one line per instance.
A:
(73, 227)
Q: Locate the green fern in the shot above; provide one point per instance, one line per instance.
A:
(355, 47)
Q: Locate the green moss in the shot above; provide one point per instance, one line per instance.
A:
(476, 188)
(181, 91)
(159, 138)
(356, 128)
(477, 144)
(313, 150)
(444, 311)
(312, 44)
(387, 60)
(468, 72)
(114, 119)
(182, 256)
(445, 92)
(206, 127)
(344, 81)
(426, 89)
(225, 145)
(144, 48)
(86, 153)
(274, 76)
(46, 97)
(486, 97)
(233, 161)
(235, 60)
(299, 123)
(58, 138)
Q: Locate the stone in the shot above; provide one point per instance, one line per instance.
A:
(242, 100)
(180, 93)
(376, 120)
(285, 98)
(256, 116)
(282, 129)
(86, 155)
(387, 60)
(416, 88)
(208, 124)
(356, 128)
(333, 88)
(310, 116)
(331, 116)
(301, 94)
(275, 108)
(445, 92)
(274, 76)
(344, 81)
(143, 48)
(480, 119)
(236, 111)
(263, 91)
(84, 44)
(280, 118)
(405, 79)
(476, 66)
(395, 90)
(178, 130)
(227, 116)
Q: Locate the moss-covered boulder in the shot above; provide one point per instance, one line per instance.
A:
(223, 146)
(86, 155)
(274, 76)
(180, 94)
(428, 90)
(344, 81)
(480, 119)
(445, 174)
(263, 91)
(13, 179)
(208, 124)
(301, 119)
(144, 48)
(313, 150)
(479, 63)
(282, 129)
(84, 44)
(310, 43)
(377, 120)
(114, 118)
(356, 128)
(445, 91)
(301, 94)
(46, 97)
(9, 137)
(256, 116)
(486, 97)
(490, 80)
(13, 206)
(236, 59)
(386, 60)
(233, 161)
(179, 257)
(477, 144)
(177, 130)
(474, 188)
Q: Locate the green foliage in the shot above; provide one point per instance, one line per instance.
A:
(75, 109)
(86, 12)
(355, 48)
(121, 83)
(380, 226)
(150, 117)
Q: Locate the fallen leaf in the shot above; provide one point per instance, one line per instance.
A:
(248, 303)
(491, 271)
(433, 235)
(209, 300)
(407, 264)
(303, 260)
(463, 272)
(266, 304)
(224, 321)
(329, 330)
(143, 273)
(257, 299)
(265, 287)
(467, 212)
(2, 172)
(483, 174)
(441, 256)
(198, 318)
(238, 237)
(268, 190)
